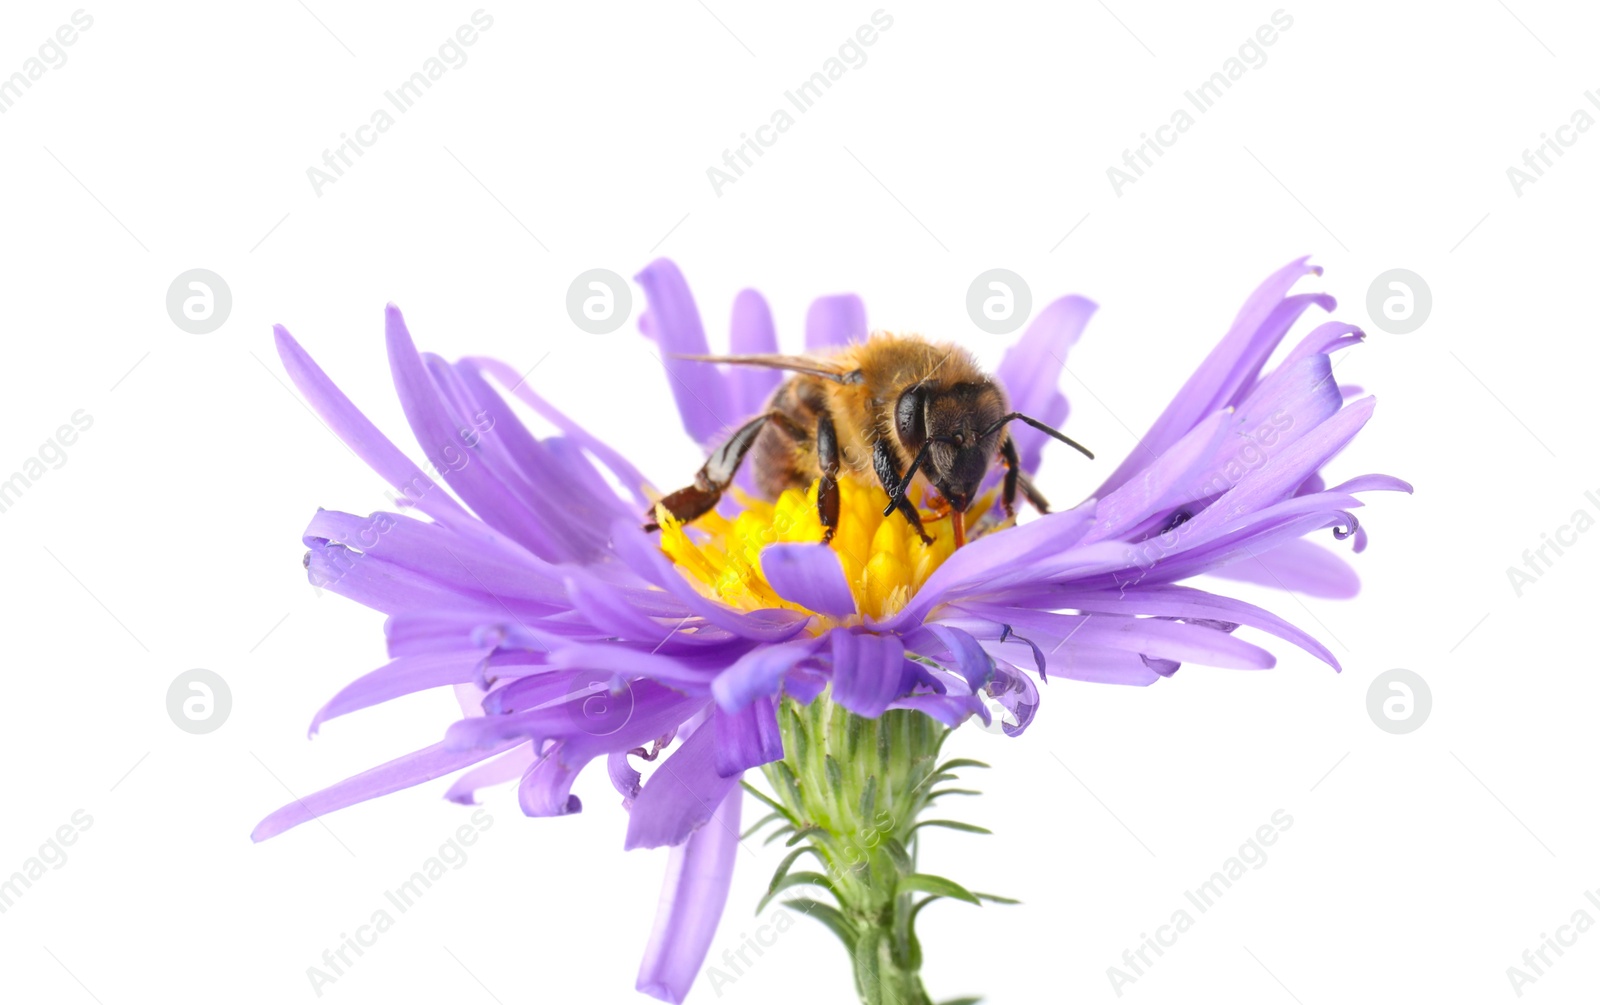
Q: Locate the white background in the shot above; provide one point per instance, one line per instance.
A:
(1376, 135)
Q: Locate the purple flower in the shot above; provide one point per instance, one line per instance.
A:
(525, 581)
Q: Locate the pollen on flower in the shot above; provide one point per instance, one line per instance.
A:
(884, 560)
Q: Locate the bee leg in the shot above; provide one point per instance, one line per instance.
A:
(828, 484)
(717, 473)
(1017, 478)
(888, 472)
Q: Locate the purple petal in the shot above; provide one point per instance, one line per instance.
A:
(1266, 485)
(470, 566)
(614, 612)
(549, 687)
(1148, 492)
(386, 587)
(625, 778)
(809, 575)
(1289, 404)
(990, 560)
(699, 874)
(1031, 369)
(643, 556)
(1184, 556)
(1299, 565)
(1188, 602)
(511, 764)
(759, 672)
(553, 475)
(752, 333)
(835, 321)
(1373, 483)
(636, 713)
(1016, 693)
(951, 710)
(361, 435)
(748, 738)
(1094, 665)
(686, 674)
(1072, 660)
(494, 439)
(546, 789)
(868, 671)
(1260, 325)
(805, 683)
(1155, 637)
(401, 773)
(446, 444)
(975, 665)
(1279, 320)
(406, 675)
(1325, 340)
(626, 473)
(700, 390)
(681, 795)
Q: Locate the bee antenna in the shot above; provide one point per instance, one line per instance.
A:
(1036, 424)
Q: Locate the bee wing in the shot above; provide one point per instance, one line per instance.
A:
(815, 366)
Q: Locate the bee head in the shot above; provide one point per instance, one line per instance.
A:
(954, 433)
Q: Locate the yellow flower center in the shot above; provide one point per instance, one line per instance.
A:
(884, 560)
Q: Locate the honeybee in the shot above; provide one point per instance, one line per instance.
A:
(897, 405)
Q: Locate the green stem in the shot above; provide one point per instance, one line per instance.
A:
(853, 789)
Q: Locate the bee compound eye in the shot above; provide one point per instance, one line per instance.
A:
(908, 417)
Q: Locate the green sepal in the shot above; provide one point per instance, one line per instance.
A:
(954, 825)
(789, 860)
(997, 899)
(924, 883)
(769, 818)
(779, 807)
(797, 879)
(953, 792)
(790, 784)
(897, 852)
(829, 916)
(869, 798)
(959, 762)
